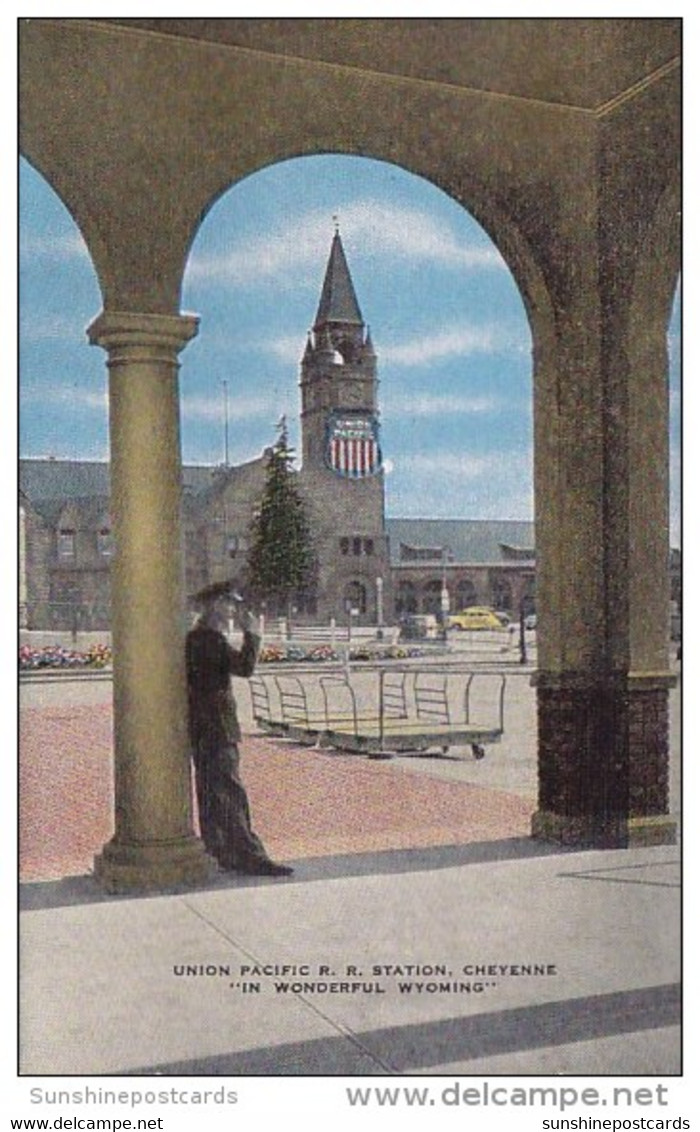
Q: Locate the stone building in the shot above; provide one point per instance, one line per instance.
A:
(472, 561)
(370, 567)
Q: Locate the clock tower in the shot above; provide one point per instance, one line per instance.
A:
(341, 475)
(339, 367)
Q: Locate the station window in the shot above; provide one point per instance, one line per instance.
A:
(357, 545)
(66, 543)
(104, 542)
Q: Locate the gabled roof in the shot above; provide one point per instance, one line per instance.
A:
(50, 485)
(89, 511)
(49, 479)
(63, 479)
(338, 299)
(222, 477)
(473, 541)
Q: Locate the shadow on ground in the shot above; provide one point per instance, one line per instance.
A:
(73, 890)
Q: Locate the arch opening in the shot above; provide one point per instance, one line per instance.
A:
(448, 327)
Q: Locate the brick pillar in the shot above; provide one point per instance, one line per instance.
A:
(154, 845)
(601, 490)
(603, 761)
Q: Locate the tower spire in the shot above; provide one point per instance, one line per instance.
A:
(339, 376)
(338, 303)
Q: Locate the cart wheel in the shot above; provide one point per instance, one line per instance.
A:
(478, 751)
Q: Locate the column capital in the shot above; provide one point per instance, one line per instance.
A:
(123, 330)
(595, 680)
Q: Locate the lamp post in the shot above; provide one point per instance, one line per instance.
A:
(523, 647)
(380, 608)
(444, 596)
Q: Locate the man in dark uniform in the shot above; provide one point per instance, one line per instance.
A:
(224, 815)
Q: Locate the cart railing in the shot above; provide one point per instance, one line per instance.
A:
(386, 710)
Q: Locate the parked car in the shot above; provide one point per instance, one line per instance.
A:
(475, 617)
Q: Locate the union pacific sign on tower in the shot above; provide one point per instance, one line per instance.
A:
(352, 445)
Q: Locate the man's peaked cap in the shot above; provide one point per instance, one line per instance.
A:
(215, 591)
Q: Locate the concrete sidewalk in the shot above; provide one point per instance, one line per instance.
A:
(530, 961)
(422, 932)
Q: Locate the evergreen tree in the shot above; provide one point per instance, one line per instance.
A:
(281, 559)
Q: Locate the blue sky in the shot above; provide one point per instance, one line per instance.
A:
(447, 321)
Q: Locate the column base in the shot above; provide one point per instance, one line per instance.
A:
(124, 867)
(658, 830)
(594, 832)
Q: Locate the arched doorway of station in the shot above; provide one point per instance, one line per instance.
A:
(430, 598)
(406, 600)
(501, 594)
(466, 594)
(355, 599)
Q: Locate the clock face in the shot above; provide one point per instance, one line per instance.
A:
(354, 395)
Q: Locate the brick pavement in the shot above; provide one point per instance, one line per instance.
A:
(305, 802)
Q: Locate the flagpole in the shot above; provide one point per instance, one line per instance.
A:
(225, 384)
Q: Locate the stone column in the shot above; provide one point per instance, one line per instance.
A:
(602, 586)
(154, 845)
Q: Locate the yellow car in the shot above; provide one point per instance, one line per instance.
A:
(476, 617)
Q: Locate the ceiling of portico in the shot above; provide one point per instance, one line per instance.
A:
(504, 114)
(582, 63)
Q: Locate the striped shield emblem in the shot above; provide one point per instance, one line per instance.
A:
(352, 445)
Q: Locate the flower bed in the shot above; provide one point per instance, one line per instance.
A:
(280, 654)
(57, 656)
(100, 656)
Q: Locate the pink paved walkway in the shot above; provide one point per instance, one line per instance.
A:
(305, 803)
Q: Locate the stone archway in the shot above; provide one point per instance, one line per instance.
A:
(466, 594)
(563, 179)
(406, 598)
(355, 598)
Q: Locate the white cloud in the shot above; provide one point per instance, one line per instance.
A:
(464, 465)
(71, 396)
(288, 349)
(457, 341)
(95, 449)
(372, 226)
(437, 404)
(411, 234)
(674, 403)
(52, 328)
(497, 485)
(59, 248)
(207, 455)
(205, 408)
